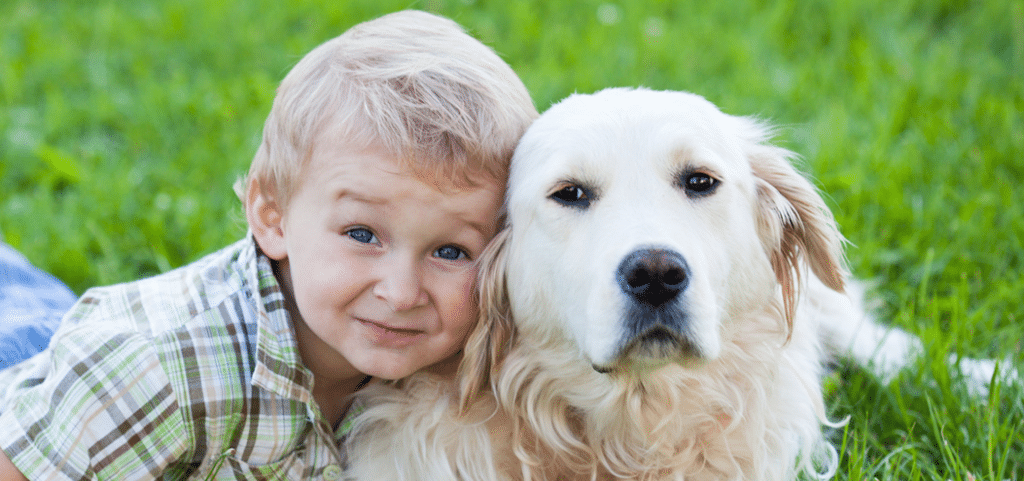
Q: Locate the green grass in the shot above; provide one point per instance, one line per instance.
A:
(123, 125)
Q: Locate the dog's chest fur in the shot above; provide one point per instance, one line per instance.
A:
(733, 418)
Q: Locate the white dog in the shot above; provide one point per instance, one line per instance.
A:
(659, 307)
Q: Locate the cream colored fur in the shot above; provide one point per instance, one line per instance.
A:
(547, 390)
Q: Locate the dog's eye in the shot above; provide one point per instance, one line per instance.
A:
(699, 183)
(572, 195)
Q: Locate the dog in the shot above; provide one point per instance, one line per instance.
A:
(660, 305)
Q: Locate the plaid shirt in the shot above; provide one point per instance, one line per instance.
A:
(192, 373)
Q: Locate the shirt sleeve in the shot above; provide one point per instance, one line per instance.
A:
(99, 407)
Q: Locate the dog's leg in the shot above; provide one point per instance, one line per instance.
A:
(848, 330)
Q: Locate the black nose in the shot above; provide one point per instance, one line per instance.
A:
(653, 276)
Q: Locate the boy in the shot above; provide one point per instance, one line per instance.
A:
(378, 182)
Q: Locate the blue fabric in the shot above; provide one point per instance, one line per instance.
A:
(32, 304)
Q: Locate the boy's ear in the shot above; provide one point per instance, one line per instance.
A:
(265, 220)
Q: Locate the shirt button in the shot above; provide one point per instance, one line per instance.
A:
(332, 472)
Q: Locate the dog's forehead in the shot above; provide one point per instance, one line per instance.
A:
(632, 100)
(614, 109)
(619, 122)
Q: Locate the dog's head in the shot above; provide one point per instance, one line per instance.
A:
(641, 221)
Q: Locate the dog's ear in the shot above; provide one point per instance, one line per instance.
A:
(793, 221)
(494, 332)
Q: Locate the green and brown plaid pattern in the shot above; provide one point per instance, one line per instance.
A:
(194, 374)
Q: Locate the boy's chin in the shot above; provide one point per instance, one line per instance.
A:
(446, 367)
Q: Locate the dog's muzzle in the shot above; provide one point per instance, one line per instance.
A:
(655, 318)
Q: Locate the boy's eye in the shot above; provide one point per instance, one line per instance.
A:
(450, 253)
(363, 235)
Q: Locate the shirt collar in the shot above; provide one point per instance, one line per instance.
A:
(278, 364)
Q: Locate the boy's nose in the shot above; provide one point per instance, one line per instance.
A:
(401, 286)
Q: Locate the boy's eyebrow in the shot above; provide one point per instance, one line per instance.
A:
(344, 193)
(480, 227)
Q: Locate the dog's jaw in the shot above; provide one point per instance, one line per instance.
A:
(655, 348)
(654, 337)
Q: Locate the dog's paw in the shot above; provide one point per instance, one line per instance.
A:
(978, 374)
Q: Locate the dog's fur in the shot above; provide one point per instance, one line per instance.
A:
(633, 327)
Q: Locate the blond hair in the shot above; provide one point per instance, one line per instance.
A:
(412, 83)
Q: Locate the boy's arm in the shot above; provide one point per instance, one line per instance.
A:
(8, 471)
(113, 396)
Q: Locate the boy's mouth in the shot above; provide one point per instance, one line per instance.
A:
(387, 327)
(390, 335)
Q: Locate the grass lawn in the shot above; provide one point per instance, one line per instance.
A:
(124, 124)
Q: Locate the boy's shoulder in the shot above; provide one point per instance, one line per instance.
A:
(176, 356)
(170, 301)
(183, 319)
(219, 317)
(189, 316)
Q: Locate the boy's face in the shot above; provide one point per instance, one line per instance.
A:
(378, 263)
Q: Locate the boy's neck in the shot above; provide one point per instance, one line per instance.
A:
(334, 401)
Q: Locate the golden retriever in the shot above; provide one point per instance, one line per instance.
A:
(659, 306)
